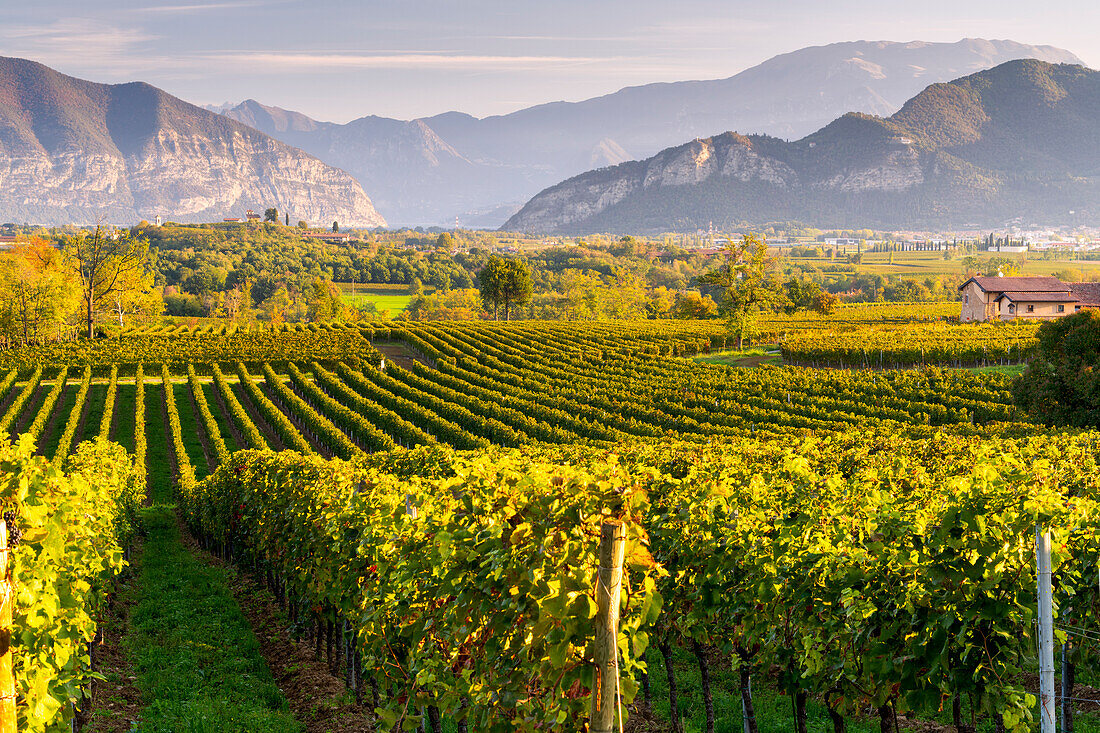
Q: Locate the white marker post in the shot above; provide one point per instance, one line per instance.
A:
(1046, 632)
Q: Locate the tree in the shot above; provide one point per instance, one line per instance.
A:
(748, 279)
(302, 224)
(825, 303)
(104, 264)
(286, 222)
(445, 241)
(271, 215)
(490, 283)
(693, 304)
(1061, 385)
(505, 283)
(660, 302)
(335, 226)
(801, 294)
(37, 295)
(136, 297)
(517, 286)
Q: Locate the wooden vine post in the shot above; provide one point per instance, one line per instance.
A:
(609, 581)
(7, 601)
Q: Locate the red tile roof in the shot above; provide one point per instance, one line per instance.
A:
(1087, 294)
(1019, 284)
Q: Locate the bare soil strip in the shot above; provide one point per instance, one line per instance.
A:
(400, 353)
(115, 703)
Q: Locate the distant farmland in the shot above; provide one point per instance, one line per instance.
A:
(391, 298)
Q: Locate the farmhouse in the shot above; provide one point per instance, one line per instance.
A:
(995, 297)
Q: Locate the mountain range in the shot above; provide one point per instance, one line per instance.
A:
(430, 170)
(77, 152)
(1018, 142)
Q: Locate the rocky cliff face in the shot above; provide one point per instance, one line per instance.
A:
(723, 166)
(1020, 140)
(72, 151)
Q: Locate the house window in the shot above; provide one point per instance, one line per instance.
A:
(966, 298)
(1011, 308)
(1061, 309)
(1031, 309)
(1076, 308)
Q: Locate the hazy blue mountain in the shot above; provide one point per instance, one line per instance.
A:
(428, 171)
(1020, 141)
(73, 151)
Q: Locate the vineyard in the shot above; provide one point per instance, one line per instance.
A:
(472, 386)
(895, 347)
(820, 522)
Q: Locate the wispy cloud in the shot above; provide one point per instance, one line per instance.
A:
(202, 7)
(313, 62)
(91, 44)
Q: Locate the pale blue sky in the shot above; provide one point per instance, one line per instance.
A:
(339, 59)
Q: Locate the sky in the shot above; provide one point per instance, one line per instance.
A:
(341, 59)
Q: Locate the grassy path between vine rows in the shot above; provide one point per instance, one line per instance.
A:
(195, 659)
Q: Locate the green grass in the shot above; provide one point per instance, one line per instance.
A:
(196, 659)
(750, 357)
(393, 298)
(395, 304)
(124, 414)
(1009, 370)
(920, 265)
(773, 710)
(97, 397)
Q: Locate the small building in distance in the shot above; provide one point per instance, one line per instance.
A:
(999, 298)
(328, 236)
(252, 215)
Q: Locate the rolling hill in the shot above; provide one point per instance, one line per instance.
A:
(1020, 141)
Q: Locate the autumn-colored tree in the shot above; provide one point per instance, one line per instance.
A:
(693, 304)
(825, 303)
(105, 264)
(37, 296)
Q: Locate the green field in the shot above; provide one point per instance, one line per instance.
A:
(390, 298)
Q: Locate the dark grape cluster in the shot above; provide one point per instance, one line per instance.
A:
(14, 533)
